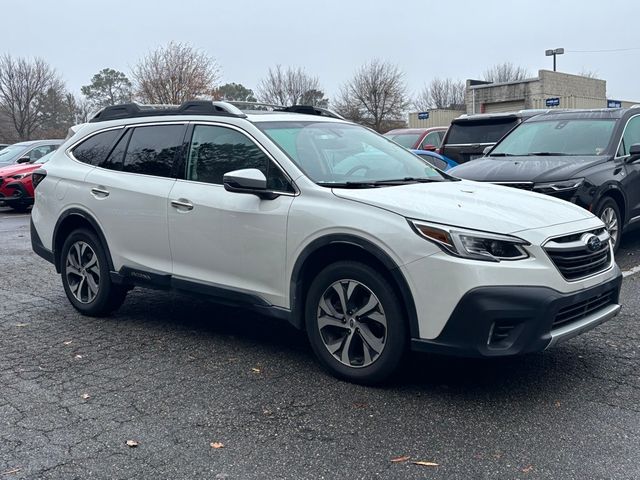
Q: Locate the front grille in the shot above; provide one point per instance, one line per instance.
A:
(580, 310)
(573, 257)
(520, 185)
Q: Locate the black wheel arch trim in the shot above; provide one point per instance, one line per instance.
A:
(94, 224)
(295, 287)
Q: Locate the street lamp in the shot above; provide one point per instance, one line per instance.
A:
(557, 51)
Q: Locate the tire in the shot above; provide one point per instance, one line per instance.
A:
(338, 340)
(86, 277)
(607, 210)
(19, 208)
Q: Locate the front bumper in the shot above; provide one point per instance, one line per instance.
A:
(19, 196)
(502, 321)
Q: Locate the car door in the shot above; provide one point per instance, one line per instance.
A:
(223, 239)
(128, 194)
(631, 182)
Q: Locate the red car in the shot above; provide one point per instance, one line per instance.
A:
(16, 185)
(418, 138)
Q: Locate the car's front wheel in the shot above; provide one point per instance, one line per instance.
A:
(355, 323)
(86, 277)
(607, 210)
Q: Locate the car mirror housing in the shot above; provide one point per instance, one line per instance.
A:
(23, 160)
(634, 153)
(248, 180)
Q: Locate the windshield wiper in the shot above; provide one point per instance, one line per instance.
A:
(380, 183)
(500, 154)
(400, 181)
(547, 154)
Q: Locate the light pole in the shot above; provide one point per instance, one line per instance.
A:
(554, 52)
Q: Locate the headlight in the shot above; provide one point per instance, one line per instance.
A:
(472, 243)
(21, 175)
(555, 187)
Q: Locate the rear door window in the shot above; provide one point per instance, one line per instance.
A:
(469, 132)
(152, 150)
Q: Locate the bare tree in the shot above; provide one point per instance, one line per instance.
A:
(23, 84)
(441, 93)
(174, 74)
(376, 95)
(292, 86)
(505, 72)
(588, 73)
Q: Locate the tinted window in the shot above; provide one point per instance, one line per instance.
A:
(218, 150)
(631, 136)
(153, 149)
(116, 158)
(479, 132)
(96, 148)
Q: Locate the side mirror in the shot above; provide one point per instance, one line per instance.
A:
(486, 150)
(428, 147)
(23, 160)
(634, 153)
(248, 180)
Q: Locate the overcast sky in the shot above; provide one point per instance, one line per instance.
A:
(330, 38)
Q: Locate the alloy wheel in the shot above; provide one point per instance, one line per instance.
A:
(83, 272)
(352, 323)
(610, 220)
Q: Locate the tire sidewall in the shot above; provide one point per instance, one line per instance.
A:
(396, 335)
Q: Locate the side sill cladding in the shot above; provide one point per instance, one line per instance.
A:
(369, 249)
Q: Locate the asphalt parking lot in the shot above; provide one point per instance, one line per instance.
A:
(174, 375)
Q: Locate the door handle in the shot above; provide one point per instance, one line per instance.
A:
(182, 204)
(100, 192)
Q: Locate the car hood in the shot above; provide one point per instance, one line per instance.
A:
(525, 169)
(18, 168)
(478, 206)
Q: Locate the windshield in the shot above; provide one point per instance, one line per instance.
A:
(480, 132)
(407, 140)
(558, 137)
(8, 155)
(342, 154)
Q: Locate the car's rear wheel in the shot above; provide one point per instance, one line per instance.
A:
(355, 323)
(607, 210)
(86, 277)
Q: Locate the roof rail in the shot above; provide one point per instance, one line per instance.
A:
(304, 109)
(193, 107)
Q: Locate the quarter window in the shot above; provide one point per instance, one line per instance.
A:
(631, 136)
(152, 150)
(216, 150)
(95, 149)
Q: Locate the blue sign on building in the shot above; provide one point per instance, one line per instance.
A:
(423, 116)
(552, 102)
(614, 104)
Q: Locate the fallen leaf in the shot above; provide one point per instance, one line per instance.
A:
(255, 370)
(78, 356)
(527, 469)
(132, 443)
(86, 396)
(557, 404)
(426, 464)
(360, 405)
(400, 459)
(216, 445)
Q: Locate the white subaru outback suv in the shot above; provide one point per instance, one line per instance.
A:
(321, 222)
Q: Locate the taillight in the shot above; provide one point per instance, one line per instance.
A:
(38, 176)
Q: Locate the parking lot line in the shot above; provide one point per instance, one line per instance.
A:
(631, 271)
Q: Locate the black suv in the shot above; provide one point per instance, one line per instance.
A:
(588, 157)
(470, 135)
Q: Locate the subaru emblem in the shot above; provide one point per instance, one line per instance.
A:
(593, 243)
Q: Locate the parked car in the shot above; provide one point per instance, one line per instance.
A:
(321, 222)
(470, 135)
(27, 152)
(588, 157)
(435, 159)
(418, 138)
(16, 185)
